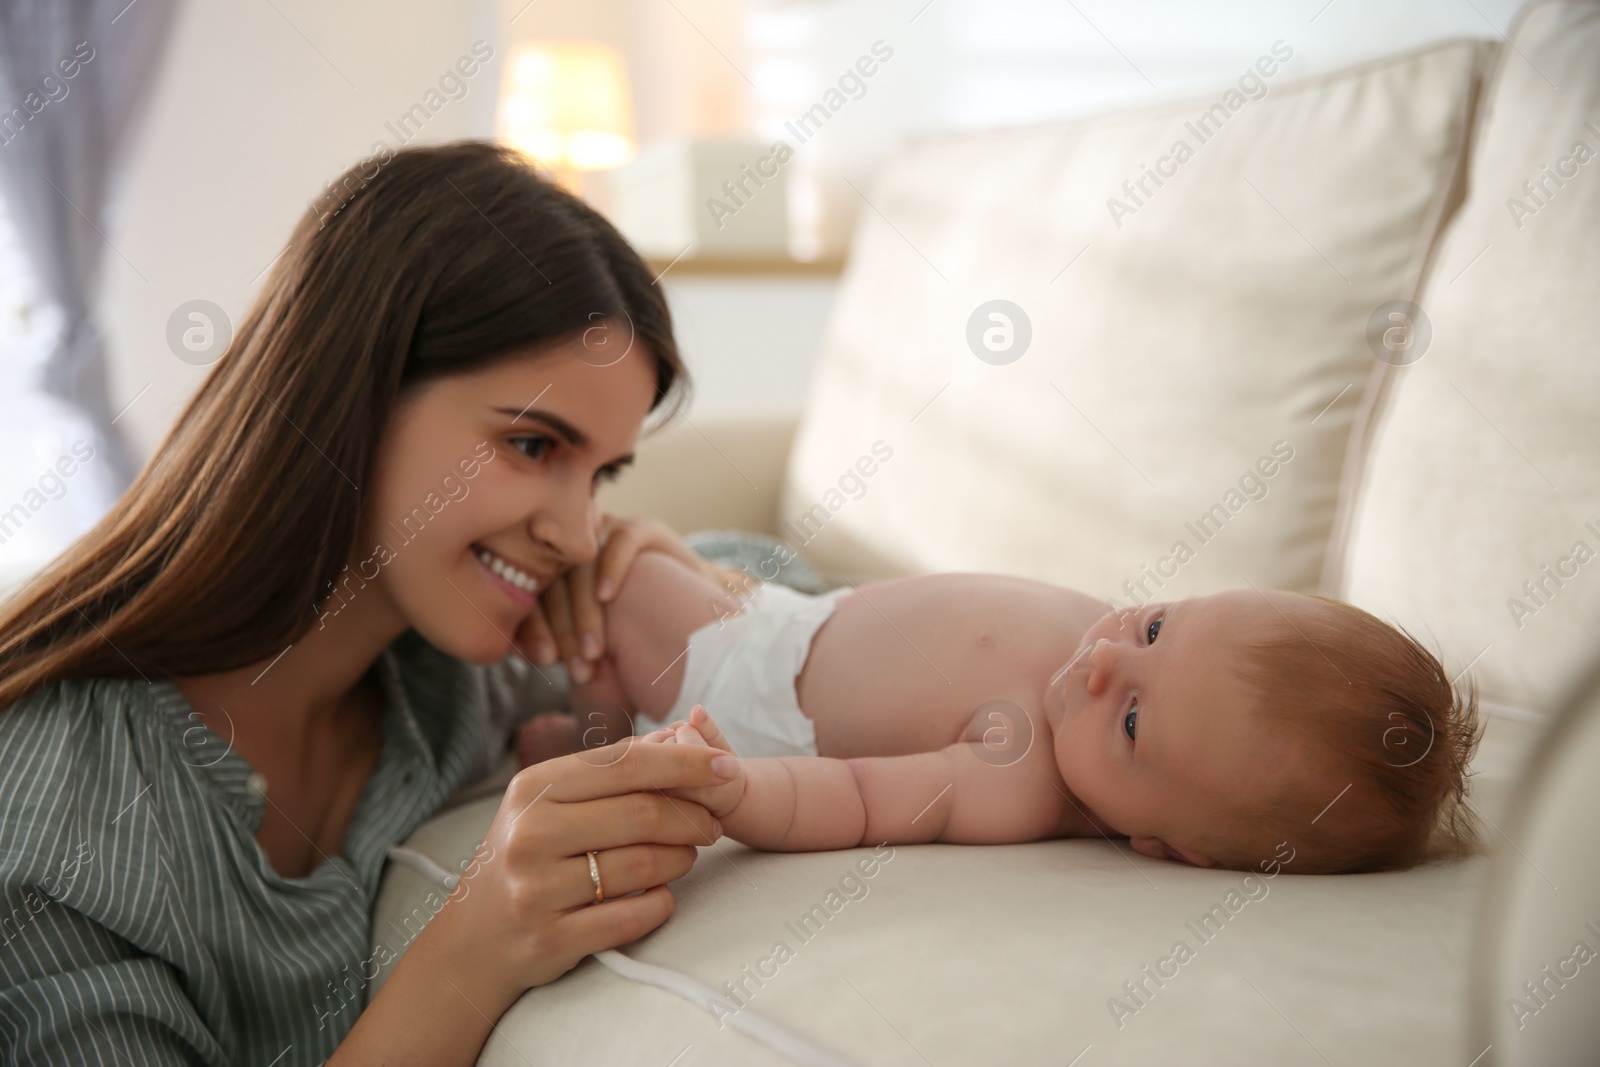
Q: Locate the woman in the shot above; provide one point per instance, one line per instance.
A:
(270, 660)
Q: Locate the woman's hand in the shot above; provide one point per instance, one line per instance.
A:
(568, 622)
(525, 911)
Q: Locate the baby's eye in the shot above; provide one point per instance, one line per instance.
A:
(533, 447)
(1151, 631)
(1130, 721)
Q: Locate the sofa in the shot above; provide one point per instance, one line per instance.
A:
(1083, 346)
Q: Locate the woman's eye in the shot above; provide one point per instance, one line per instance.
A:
(1151, 631)
(1130, 721)
(532, 447)
(606, 474)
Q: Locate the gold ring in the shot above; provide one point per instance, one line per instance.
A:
(594, 876)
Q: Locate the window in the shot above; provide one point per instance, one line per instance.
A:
(49, 492)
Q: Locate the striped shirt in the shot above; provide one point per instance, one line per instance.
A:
(140, 922)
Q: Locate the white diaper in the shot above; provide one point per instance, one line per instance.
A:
(743, 667)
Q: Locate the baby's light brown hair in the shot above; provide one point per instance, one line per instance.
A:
(1372, 707)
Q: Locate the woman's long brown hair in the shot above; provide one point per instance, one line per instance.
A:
(426, 262)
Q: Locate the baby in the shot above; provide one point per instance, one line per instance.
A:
(982, 709)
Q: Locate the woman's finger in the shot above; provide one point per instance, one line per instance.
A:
(616, 922)
(622, 546)
(626, 539)
(624, 870)
(557, 605)
(613, 770)
(534, 639)
(637, 818)
(587, 618)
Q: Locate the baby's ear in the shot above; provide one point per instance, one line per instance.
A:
(1150, 846)
(1193, 859)
(1158, 849)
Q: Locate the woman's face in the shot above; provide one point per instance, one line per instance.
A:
(484, 491)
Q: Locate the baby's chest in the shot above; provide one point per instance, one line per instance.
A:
(910, 665)
(977, 672)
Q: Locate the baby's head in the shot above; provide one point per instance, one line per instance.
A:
(1210, 730)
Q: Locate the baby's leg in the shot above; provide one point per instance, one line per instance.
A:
(662, 601)
(547, 736)
(601, 714)
(648, 623)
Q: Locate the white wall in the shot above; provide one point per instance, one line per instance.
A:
(260, 105)
(749, 342)
(257, 109)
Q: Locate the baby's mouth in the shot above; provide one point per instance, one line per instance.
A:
(1055, 692)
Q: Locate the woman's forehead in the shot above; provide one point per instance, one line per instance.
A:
(561, 379)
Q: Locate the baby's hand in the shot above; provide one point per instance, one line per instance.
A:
(719, 800)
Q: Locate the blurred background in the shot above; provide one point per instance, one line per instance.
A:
(236, 116)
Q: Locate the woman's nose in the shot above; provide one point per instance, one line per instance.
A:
(570, 528)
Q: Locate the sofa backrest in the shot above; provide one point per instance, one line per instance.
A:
(1164, 403)
(1475, 516)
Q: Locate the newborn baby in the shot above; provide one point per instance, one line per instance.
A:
(983, 709)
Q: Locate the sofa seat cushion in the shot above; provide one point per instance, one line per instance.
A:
(1014, 954)
(1479, 514)
(1197, 351)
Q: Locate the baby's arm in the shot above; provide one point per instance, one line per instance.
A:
(814, 804)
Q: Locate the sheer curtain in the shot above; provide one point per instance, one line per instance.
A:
(74, 75)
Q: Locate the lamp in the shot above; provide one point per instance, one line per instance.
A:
(569, 107)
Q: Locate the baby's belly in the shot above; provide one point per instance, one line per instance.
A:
(902, 666)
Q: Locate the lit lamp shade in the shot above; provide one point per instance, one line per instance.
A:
(568, 105)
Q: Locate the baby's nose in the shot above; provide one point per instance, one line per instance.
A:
(1101, 658)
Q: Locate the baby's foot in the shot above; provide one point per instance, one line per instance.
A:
(546, 737)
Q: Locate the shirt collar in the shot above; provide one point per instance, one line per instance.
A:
(210, 753)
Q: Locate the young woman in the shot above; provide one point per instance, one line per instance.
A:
(288, 644)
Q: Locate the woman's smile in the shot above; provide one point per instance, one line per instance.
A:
(522, 586)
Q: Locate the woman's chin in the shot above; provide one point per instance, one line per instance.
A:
(481, 643)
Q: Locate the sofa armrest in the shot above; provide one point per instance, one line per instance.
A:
(708, 474)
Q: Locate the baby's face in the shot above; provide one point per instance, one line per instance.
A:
(1155, 732)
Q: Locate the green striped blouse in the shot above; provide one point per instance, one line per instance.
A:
(141, 923)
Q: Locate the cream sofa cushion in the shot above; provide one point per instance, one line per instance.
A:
(1486, 467)
(1171, 347)
(1540, 912)
(712, 473)
(1014, 954)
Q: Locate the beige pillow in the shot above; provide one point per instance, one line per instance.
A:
(1179, 418)
(1479, 522)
